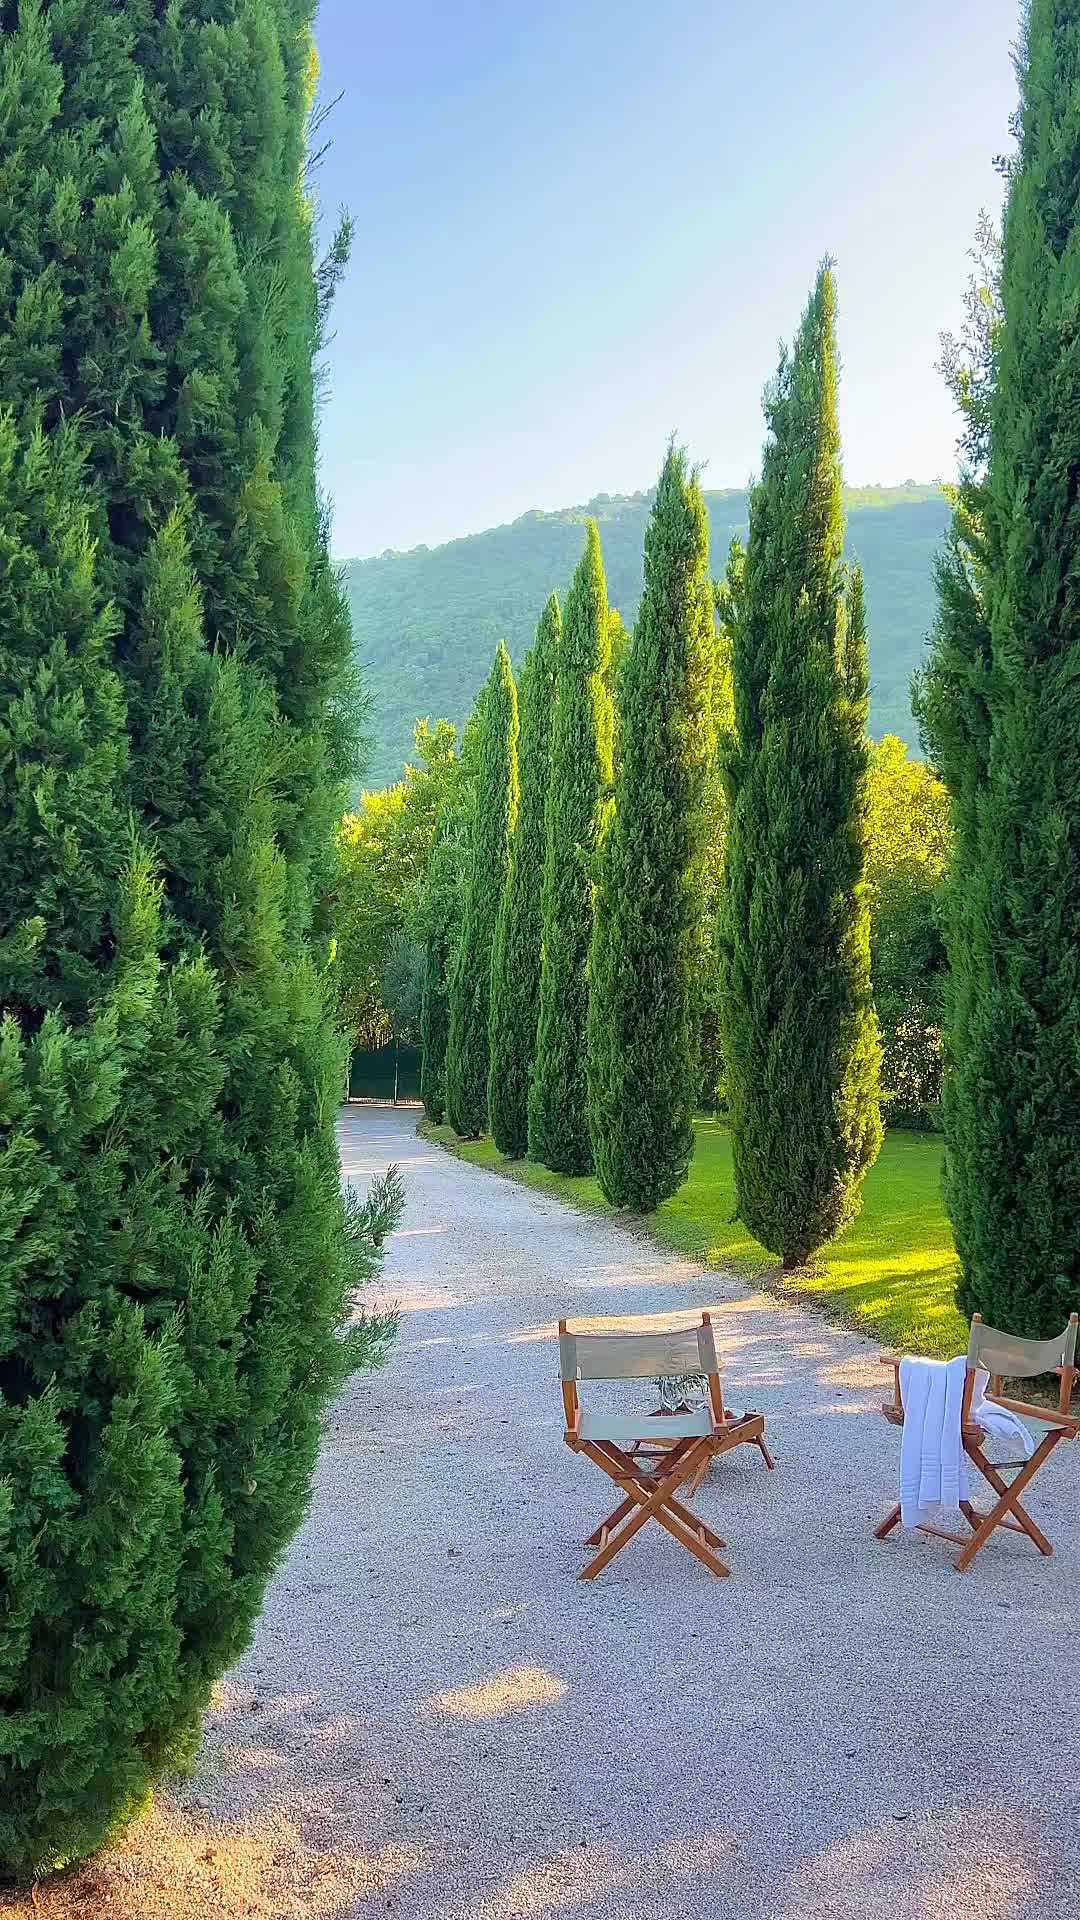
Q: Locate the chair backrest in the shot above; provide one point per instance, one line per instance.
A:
(1007, 1353)
(636, 1356)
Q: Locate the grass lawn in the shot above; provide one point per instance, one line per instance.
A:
(890, 1275)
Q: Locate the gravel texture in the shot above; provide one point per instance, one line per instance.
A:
(438, 1720)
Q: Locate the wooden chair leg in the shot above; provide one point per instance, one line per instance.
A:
(692, 1539)
(1023, 1522)
(684, 1525)
(1009, 1502)
(766, 1455)
(692, 1520)
(694, 1487)
(653, 1505)
(891, 1520)
(619, 1466)
(596, 1537)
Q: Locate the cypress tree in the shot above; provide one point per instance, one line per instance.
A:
(1005, 718)
(177, 1263)
(800, 1035)
(495, 810)
(643, 1032)
(578, 805)
(438, 927)
(438, 919)
(515, 982)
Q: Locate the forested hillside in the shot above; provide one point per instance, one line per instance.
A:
(426, 623)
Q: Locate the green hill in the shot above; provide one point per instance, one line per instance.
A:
(427, 622)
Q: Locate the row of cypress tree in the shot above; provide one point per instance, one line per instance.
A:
(559, 1053)
(999, 706)
(573, 1001)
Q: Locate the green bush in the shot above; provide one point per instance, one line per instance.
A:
(913, 1066)
(908, 843)
(177, 1264)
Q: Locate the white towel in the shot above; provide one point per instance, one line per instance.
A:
(933, 1467)
(998, 1420)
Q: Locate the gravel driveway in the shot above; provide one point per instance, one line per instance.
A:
(438, 1720)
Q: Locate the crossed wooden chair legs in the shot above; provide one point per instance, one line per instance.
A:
(1007, 1513)
(654, 1477)
(652, 1494)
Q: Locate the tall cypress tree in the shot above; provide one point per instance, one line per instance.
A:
(578, 805)
(176, 1261)
(495, 810)
(643, 1032)
(438, 920)
(800, 1035)
(515, 983)
(1004, 713)
(439, 924)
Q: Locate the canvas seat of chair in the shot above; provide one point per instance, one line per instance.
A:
(657, 1458)
(627, 1427)
(1002, 1356)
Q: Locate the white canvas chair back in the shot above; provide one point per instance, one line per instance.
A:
(636, 1356)
(1006, 1353)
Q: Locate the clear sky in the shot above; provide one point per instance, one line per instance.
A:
(584, 224)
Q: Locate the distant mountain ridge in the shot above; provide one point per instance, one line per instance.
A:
(426, 622)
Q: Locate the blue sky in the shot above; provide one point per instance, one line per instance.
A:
(584, 224)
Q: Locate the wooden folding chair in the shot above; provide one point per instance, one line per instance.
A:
(652, 1457)
(1001, 1355)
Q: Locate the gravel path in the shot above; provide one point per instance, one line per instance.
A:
(437, 1720)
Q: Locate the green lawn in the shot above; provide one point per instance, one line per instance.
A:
(890, 1275)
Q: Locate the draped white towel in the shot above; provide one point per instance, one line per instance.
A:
(933, 1467)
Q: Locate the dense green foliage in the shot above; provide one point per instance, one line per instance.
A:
(402, 987)
(427, 622)
(802, 1049)
(712, 1078)
(907, 846)
(643, 1026)
(578, 806)
(384, 847)
(494, 815)
(515, 981)
(435, 918)
(438, 928)
(177, 1264)
(1003, 712)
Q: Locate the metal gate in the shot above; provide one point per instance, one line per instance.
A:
(389, 1075)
